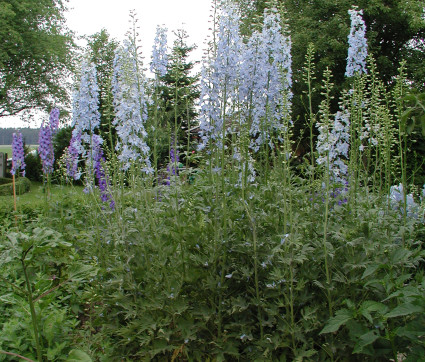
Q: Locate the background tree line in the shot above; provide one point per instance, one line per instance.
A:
(30, 135)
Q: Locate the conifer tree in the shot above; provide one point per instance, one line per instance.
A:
(101, 52)
(179, 89)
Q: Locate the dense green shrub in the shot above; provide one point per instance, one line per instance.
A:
(61, 141)
(33, 169)
(22, 186)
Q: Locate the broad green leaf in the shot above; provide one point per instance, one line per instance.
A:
(370, 270)
(341, 317)
(77, 355)
(303, 355)
(410, 98)
(404, 309)
(413, 330)
(365, 340)
(82, 272)
(370, 306)
(399, 255)
(408, 291)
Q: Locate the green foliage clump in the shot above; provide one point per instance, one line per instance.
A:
(61, 142)
(203, 275)
(41, 275)
(22, 186)
(33, 168)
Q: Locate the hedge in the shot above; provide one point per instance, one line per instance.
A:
(6, 187)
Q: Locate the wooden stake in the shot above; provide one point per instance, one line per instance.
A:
(14, 200)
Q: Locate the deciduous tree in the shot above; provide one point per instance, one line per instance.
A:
(35, 55)
(395, 30)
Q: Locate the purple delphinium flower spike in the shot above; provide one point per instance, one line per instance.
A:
(172, 168)
(73, 156)
(18, 156)
(102, 178)
(54, 120)
(45, 141)
(45, 149)
(357, 50)
(174, 158)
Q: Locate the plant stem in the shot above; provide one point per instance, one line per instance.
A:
(257, 288)
(14, 200)
(17, 355)
(33, 314)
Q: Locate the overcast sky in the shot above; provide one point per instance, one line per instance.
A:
(87, 17)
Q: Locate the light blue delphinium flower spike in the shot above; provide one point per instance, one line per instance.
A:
(159, 52)
(130, 109)
(220, 78)
(357, 50)
(333, 144)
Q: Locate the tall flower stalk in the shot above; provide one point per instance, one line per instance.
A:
(159, 68)
(130, 106)
(309, 76)
(325, 121)
(86, 119)
(18, 155)
(357, 50)
(18, 163)
(355, 68)
(399, 93)
(45, 148)
(219, 97)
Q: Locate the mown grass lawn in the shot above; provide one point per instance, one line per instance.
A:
(8, 149)
(36, 197)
